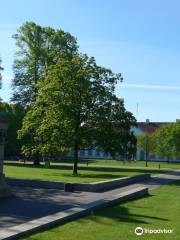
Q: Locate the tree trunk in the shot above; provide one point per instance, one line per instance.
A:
(75, 167)
(146, 159)
(37, 159)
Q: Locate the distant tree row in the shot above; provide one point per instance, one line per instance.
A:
(164, 142)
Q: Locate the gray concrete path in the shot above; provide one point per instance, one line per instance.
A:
(32, 207)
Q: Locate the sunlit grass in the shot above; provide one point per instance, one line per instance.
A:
(97, 170)
(160, 210)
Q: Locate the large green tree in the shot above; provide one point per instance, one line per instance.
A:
(76, 108)
(38, 48)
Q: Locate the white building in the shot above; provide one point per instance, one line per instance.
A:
(92, 153)
(142, 128)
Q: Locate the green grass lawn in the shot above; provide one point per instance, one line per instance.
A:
(159, 210)
(97, 170)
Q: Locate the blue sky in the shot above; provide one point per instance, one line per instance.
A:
(140, 39)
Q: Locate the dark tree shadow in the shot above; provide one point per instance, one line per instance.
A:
(121, 213)
(111, 169)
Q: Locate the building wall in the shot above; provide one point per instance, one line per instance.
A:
(140, 155)
(93, 153)
(137, 131)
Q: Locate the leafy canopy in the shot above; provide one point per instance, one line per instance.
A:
(14, 115)
(38, 48)
(167, 140)
(145, 143)
(76, 108)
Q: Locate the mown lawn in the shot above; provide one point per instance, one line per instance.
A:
(159, 210)
(97, 170)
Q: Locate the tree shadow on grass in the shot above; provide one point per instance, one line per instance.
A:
(101, 176)
(115, 169)
(121, 170)
(111, 169)
(121, 213)
(103, 173)
(175, 183)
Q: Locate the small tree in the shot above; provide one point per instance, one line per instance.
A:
(145, 143)
(176, 138)
(76, 108)
(167, 141)
(162, 138)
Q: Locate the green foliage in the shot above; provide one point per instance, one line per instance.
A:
(38, 48)
(167, 140)
(15, 114)
(71, 99)
(76, 108)
(145, 143)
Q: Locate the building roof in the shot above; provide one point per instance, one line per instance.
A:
(150, 127)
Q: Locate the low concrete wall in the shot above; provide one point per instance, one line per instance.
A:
(86, 187)
(34, 183)
(105, 185)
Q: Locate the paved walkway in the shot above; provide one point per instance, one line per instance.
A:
(31, 204)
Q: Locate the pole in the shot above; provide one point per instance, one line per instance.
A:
(146, 151)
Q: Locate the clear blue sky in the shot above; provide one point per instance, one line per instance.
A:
(140, 39)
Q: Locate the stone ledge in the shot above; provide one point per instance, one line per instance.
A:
(106, 185)
(35, 183)
(87, 187)
(70, 214)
